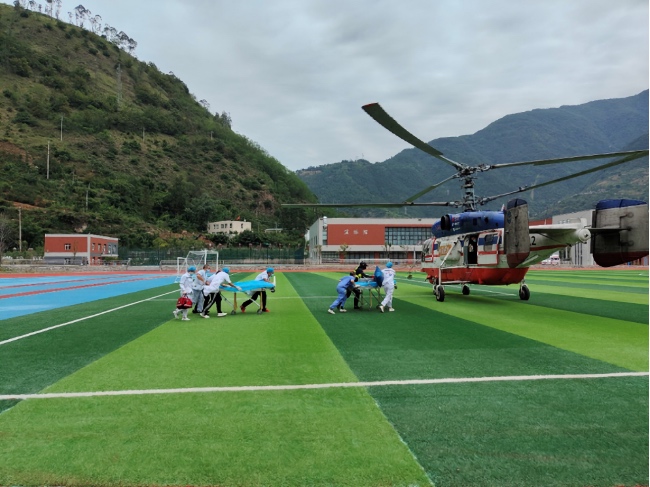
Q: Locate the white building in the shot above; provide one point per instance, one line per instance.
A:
(229, 227)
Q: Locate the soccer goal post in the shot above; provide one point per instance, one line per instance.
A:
(197, 258)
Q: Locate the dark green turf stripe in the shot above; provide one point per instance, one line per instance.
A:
(632, 277)
(636, 313)
(555, 433)
(600, 286)
(33, 363)
(551, 433)
(415, 342)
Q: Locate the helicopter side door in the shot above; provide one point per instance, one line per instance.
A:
(488, 248)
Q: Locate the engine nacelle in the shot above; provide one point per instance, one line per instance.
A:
(516, 236)
(620, 232)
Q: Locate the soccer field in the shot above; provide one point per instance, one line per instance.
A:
(480, 390)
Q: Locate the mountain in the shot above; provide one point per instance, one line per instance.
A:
(95, 141)
(595, 127)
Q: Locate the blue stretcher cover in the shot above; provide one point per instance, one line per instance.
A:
(248, 286)
(367, 284)
(379, 276)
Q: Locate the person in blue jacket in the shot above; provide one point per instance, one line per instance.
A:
(345, 283)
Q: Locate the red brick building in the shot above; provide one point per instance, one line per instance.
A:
(369, 239)
(84, 249)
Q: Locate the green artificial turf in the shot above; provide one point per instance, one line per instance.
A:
(293, 438)
(311, 437)
(617, 341)
(35, 362)
(544, 432)
(552, 432)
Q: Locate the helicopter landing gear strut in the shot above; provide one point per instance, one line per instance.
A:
(524, 292)
(438, 289)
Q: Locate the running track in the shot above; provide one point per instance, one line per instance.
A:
(26, 294)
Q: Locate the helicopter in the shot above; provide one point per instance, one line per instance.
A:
(498, 247)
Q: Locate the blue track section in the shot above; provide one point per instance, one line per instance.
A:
(26, 295)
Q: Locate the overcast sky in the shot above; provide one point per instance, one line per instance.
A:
(293, 74)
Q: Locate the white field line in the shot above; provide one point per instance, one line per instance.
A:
(190, 390)
(4, 342)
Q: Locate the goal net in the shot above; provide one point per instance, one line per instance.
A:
(197, 258)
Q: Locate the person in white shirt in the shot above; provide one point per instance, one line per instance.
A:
(186, 283)
(262, 276)
(212, 294)
(389, 286)
(199, 283)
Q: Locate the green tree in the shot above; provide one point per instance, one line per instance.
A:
(7, 234)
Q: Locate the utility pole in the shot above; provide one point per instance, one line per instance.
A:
(47, 176)
(20, 229)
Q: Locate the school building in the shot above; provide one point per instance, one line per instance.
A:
(83, 249)
(371, 239)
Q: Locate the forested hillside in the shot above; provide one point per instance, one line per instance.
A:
(599, 126)
(94, 140)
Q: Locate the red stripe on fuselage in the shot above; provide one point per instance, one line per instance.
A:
(480, 275)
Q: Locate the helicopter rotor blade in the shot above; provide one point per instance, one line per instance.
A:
(636, 154)
(369, 205)
(632, 155)
(430, 188)
(389, 123)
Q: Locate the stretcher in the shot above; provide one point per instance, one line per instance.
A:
(248, 288)
(369, 290)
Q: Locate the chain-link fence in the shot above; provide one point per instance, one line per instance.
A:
(254, 255)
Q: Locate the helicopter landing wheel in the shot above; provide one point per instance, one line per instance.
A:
(465, 290)
(440, 293)
(524, 293)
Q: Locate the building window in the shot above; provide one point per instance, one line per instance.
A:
(93, 246)
(406, 235)
(67, 246)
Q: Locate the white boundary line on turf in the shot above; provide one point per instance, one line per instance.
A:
(4, 342)
(55, 395)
